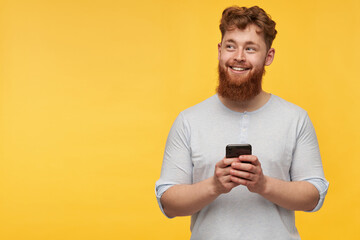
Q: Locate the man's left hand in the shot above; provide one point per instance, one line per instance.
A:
(248, 172)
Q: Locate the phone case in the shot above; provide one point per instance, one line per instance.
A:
(235, 150)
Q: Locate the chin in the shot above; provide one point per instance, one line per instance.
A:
(238, 80)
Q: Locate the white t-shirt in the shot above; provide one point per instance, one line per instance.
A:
(282, 137)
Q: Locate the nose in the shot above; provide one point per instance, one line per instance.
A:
(240, 56)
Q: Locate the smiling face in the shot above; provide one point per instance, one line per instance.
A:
(243, 51)
(242, 57)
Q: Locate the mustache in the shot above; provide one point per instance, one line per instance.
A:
(241, 65)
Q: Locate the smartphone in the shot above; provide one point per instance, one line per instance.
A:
(235, 150)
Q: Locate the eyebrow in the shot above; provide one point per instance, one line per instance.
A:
(230, 41)
(246, 43)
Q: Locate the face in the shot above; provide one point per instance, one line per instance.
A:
(242, 57)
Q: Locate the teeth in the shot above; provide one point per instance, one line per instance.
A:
(238, 68)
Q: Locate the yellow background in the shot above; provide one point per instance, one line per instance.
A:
(89, 91)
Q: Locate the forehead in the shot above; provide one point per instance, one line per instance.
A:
(250, 33)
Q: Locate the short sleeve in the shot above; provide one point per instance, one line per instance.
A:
(177, 165)
(306, 161)
(306, 164)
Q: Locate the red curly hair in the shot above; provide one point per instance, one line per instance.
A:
(241, 17)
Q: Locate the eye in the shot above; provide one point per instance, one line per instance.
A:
(230, 47)
(251, 49)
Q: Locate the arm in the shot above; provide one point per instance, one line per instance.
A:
(184, 200)
(297, 195)
(187, 199)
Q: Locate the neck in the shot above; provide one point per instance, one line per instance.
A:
(247, 106)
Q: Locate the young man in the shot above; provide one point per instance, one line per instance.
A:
(253, 196)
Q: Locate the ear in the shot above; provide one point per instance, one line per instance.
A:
(219, 51)
(269, 57)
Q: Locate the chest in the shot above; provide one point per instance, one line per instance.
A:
(273, 142)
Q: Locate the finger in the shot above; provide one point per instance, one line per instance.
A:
(226, 179)
(248, 158)
(226, 183)
(222, 172)
(239, 181)
(247, 167)
(242, 174)
(225, 162)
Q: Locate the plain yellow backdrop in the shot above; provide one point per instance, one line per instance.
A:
(89, 91)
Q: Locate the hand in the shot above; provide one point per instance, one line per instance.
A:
(247, 171)
(222, 177)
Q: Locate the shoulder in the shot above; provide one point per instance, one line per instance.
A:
(289, 114)
(202, 109)
(203, 115)
(287, 108)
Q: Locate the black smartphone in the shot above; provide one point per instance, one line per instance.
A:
(235, 150)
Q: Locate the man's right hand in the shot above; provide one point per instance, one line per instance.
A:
(222, 177)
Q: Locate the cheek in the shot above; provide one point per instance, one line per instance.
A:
(257, 62)
(225, 58)
(222, 61)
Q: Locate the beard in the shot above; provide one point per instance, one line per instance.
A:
(242, 88)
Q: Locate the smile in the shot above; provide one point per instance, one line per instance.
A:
(239, 68)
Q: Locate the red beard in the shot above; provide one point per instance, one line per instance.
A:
(242, 89)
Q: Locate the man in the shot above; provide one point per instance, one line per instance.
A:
(253, 196)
